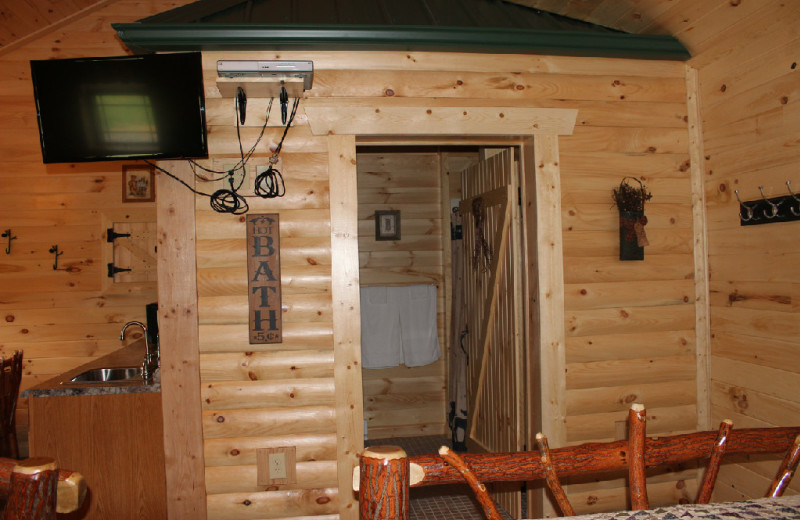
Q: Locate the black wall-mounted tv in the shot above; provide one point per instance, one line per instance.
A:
(121, 107)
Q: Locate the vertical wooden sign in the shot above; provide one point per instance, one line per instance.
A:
(264, 278)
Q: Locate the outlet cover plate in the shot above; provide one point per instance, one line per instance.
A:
(262, 465)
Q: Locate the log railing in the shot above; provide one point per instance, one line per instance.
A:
(586, 459)
(592, 458)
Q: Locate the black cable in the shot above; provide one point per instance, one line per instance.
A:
(269, 184)
(228, 201)
(244, 157)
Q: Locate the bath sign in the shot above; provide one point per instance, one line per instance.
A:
(264, 278)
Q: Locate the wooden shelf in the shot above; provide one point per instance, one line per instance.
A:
(260, 87)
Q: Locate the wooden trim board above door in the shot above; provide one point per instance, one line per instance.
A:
(400, 117)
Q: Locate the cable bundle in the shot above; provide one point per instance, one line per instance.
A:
(268, 184)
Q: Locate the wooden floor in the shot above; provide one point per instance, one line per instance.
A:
(451, 502)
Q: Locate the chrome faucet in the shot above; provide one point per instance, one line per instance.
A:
(151, 353)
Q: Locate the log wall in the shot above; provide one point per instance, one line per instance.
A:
(746, 56)
(61, 318)
(631, 122)
(751, 120)
(630, 326)
(404, 401)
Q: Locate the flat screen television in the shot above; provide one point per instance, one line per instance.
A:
(120, 107)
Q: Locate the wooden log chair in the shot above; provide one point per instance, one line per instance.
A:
(385, 473)
(10, 377)
(34, 489)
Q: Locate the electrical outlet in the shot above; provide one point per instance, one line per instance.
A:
(276, 465)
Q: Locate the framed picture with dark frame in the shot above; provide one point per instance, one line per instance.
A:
(138, 183)
(387, 224)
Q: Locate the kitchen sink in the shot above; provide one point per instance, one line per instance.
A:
(107, 375)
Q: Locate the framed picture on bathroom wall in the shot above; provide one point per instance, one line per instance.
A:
(387, 224)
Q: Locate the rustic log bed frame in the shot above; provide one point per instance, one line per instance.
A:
(385, 473)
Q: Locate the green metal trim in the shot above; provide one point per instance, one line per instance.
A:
(171, 37)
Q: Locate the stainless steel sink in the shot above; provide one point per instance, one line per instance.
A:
(108, 375)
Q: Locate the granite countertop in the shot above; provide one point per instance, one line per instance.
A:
(128, 356)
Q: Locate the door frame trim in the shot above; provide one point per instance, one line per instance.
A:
(541, 206)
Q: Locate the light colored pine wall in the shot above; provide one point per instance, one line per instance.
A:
(64, 318)
(630, 326)
(750, 96)
(746, 55)
(403, 401)
(631, 121)
(750, 130)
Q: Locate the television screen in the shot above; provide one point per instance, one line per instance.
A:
(121, 107)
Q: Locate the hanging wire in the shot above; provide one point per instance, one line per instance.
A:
(268, 184)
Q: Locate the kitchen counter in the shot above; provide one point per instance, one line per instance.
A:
(128, 356)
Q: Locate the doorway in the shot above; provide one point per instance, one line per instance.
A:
(428, 187)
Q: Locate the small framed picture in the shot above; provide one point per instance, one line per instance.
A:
(138, 183)
(387, 224)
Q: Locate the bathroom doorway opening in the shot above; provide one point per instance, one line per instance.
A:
(457, 214)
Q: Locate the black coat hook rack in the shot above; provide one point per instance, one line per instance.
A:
(57, 253)
(7, 234)
(768, 210)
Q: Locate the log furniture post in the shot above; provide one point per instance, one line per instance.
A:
(383, 484)
(34, 484)
(710, 477)
(33, 490)
(552, 478)
(637, 425)
(487, 504)
(10, 377)
(786, 470)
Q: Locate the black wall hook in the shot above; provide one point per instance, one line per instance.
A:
(7, 234)
(57, 253)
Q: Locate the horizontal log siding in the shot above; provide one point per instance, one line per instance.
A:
(631, 121)
(403, 401)
(630, 326)
(751, 120)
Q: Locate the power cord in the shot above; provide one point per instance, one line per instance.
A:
(268, 184)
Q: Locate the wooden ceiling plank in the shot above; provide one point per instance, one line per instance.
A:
(607, 12)
(640, 15)
(682, 14)
(580, 9)
(770, 27)
(40, 31)
(15, 20)
(701, 34)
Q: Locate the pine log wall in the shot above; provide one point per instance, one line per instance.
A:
(404, 401)
(632, 121)
(746, 55)
(629, 325)
(63, 318)
(750, 93)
